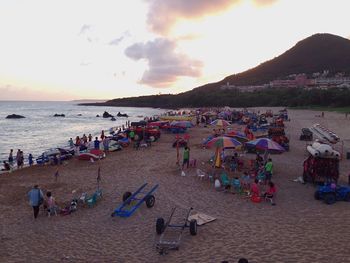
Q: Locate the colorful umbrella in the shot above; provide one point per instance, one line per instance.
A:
(265, 144)
(220, 122)
(223, 142)
(240, 136)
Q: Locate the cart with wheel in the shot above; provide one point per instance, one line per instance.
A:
(170, 233)
(132, 201)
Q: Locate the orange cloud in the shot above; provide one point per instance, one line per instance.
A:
(264, 2)
(162, 14)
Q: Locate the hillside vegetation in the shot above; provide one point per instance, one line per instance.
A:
(314, 54)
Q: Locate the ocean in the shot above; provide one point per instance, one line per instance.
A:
(40, 131)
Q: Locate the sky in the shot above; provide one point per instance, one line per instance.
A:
(105, 49)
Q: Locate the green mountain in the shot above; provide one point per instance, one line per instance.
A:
(314, 54)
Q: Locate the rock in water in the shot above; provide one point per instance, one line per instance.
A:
(14, 116)
(107, 115)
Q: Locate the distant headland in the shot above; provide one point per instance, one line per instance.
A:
(315, 72)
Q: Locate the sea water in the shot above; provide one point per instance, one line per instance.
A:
(40, 130)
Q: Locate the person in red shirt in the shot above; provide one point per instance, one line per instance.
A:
(271, 193)
(255, 192)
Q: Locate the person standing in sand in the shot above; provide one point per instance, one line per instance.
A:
(268, 170)
(11, 158)
(96, 144)
(36, 198)
(18, 158)
(186, 157)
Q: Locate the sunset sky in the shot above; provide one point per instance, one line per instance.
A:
(81, 49)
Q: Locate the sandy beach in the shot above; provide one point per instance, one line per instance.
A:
(297, 229)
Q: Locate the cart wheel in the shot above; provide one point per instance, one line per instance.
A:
(126, 195)
(160, 225)
(193, 227)
(150, 201)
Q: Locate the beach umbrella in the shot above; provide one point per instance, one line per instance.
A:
(220, 122)
(240, 136)
(182, 124)
(223, 142)
(265, 144)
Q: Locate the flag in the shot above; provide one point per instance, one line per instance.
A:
(56, 175)
(98, 174)
(98, 179)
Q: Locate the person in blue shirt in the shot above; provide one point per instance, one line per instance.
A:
(97, 143)
(36, 198)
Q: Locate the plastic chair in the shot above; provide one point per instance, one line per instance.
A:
(270, 199)
(225, 180)
(237, 187)
(201, 174)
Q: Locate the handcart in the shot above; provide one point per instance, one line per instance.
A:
(132, 201)
(170, 234)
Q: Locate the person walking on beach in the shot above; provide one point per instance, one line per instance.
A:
(11, 158)
(18, 161)
(36, 198)
(30, 159)
(186, 157)
(90, 137)
(102, 135)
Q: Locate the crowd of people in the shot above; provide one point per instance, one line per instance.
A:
(17, 160)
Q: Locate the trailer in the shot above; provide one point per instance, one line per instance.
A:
(170, 233)
(132, 201)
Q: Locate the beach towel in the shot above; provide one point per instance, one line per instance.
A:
(201, 218)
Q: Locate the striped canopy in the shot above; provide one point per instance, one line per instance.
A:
(265, 144)
(220, 122)
(223, 142)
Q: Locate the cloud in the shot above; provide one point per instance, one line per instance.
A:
(165, 64)
(84, 29)
(163, 14)
(116, 41)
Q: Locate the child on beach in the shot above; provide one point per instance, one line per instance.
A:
(254, 189)
(186, 157)
(51, 204)
(6, 167)
(271, 192)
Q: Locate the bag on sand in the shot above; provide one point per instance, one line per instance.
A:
(183, 173)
